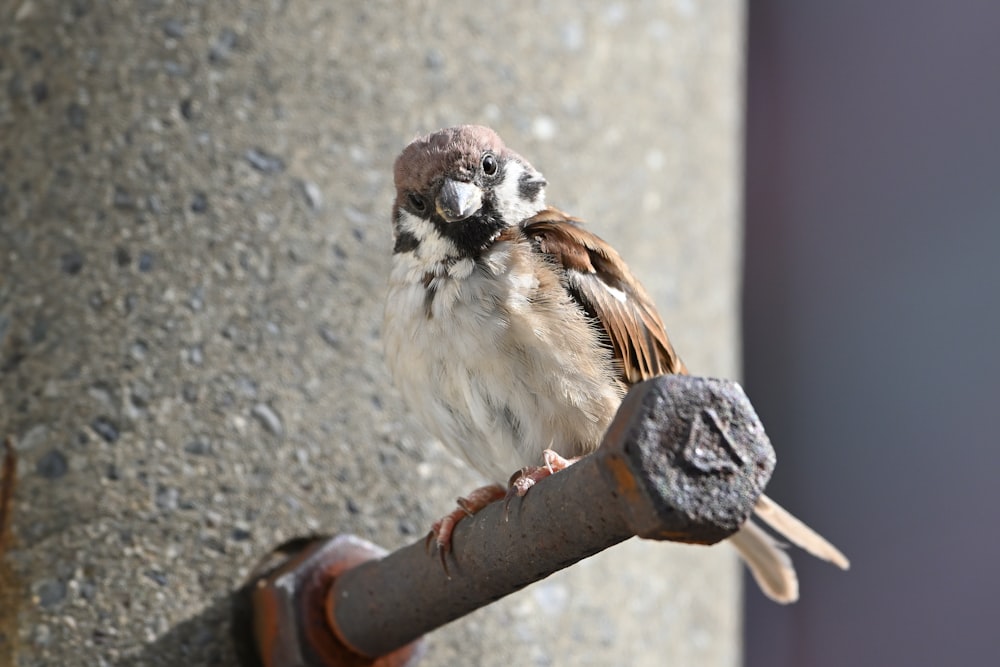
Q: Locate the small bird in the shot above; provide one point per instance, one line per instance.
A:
(513, 333)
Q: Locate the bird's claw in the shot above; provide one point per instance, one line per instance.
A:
(442, 529)
(518, 485)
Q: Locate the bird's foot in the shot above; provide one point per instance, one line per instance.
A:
(520, 482)
(525, 478)
(442, 529)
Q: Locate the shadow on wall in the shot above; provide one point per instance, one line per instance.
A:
(205, 639)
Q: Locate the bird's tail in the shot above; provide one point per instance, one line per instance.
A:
(765, 556)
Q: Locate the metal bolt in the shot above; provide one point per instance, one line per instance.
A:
(685, 460)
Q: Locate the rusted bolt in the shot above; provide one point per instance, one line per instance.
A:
(685, 460)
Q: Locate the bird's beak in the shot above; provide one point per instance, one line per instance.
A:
(458, 200)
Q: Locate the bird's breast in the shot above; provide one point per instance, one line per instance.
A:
(496, 360)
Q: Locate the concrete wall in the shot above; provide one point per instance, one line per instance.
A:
(194, 241)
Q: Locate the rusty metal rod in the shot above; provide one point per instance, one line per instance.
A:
(685, 460)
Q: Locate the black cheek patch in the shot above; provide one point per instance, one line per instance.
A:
(529, 185)
(405, 242)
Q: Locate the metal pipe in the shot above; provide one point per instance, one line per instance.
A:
(685, 460)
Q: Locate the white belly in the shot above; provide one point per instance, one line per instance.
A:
(494, 369)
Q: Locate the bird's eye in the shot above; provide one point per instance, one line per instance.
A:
(490, 164)
(416, 201)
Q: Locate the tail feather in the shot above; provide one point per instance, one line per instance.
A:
(798, 533)
(771, 567)
(765, 556)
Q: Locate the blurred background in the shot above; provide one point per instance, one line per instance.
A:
(871, 312)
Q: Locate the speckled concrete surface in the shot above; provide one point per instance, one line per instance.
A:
(193, 246)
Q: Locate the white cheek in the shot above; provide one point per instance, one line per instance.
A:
(512, 206)
(410, 223)
(433, 247)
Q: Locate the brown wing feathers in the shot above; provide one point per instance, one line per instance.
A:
(600, 281)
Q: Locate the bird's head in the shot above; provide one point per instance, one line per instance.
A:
(459, 188)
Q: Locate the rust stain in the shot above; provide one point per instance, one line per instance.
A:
(625, 482)
(8, 585)
(7, 479)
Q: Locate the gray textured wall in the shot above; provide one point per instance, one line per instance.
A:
(194, 242)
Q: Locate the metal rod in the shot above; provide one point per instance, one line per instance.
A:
(685, 460)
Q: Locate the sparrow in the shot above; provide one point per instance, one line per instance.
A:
(513, 332)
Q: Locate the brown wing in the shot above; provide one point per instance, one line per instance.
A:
(598, 279)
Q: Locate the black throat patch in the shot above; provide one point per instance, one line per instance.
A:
(475, 234)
